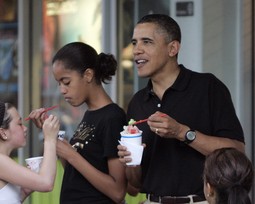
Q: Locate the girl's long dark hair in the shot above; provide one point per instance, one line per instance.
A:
(230, 173)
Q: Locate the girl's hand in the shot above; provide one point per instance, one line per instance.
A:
(38, 116)
(51, 127)
(64, 149)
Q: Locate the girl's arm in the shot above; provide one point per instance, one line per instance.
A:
(12, 172)
(25, 192)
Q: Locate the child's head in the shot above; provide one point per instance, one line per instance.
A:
(228, 177)
(12, 131)
(80, 72)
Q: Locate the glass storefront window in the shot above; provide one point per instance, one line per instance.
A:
(126, 67)
(64, 22)
(129, 12)
(8, 51)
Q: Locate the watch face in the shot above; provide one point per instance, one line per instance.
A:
(191, 135)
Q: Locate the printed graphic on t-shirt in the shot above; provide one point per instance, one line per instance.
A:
(84, 133)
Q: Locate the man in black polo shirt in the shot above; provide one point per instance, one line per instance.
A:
(200, 117)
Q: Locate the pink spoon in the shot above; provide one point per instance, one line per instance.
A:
(144, 120)
(46, 110)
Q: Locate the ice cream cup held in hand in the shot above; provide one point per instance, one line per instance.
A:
(136, 152)
(132, 138)
(34, 163)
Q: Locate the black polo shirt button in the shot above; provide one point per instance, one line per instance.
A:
(159, 105)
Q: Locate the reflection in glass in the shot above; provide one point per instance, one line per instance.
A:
(65, 22)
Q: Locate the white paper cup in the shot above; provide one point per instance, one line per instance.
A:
(132, 138)
(136, 152)
(61, 135)
(34, 163)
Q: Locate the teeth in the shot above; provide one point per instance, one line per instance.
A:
(140, 61)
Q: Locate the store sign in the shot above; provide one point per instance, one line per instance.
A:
(185, 8)
(61, 7)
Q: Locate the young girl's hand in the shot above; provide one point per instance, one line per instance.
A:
(38, 116)
(51, 127)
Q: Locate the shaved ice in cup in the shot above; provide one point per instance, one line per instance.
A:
(131, 134)
(34, 163)
(131, 138)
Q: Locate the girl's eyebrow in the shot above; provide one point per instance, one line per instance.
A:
(63, 78)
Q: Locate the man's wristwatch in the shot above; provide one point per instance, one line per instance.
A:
(190, 136)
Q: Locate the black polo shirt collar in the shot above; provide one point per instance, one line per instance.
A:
(180, 83)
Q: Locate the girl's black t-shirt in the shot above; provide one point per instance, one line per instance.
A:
(98, 133)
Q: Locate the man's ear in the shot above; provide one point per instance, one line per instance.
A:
(173, 48)
(2, 134)
(88, 75)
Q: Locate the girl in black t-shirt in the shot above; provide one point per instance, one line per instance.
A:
(93, 172)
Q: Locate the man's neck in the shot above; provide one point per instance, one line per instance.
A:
(164, 81)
